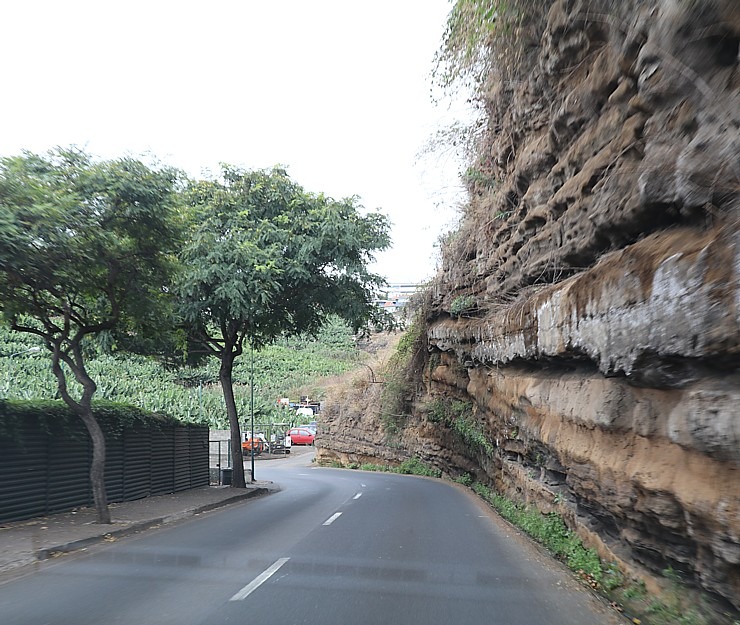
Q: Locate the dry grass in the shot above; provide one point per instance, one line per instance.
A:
(351, 386)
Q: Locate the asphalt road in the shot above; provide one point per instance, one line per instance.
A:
(334, 547)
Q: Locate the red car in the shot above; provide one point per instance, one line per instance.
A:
(301, 436)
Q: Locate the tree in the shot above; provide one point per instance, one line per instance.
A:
(267, 259)
(85, 252)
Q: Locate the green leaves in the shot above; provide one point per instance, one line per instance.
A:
(266, 258)
(103, 250)
(88, 242)
(287, 368)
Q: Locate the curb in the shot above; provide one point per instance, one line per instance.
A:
(51, 552)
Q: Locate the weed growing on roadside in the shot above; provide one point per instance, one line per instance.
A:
(411, 466)
(465, 479)
(674, 607)
(549, 530)
(367, 466)
(414, 466)
(636, 590)
(612, 577)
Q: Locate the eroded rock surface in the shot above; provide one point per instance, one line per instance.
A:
(601, 343)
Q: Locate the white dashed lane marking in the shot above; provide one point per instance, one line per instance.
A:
(332, 518)
(259, 580)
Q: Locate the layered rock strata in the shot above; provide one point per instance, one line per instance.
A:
(589, 305)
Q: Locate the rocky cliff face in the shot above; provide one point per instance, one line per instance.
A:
(589, 305)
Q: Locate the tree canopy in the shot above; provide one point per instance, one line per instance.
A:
(273, 259)
(123, 251)
(85, 249)
(84, 243)
(264, 259)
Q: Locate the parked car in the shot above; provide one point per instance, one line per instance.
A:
(301, 436)
(304, 411)
(309, 426)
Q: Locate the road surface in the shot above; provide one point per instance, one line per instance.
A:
(334, 547)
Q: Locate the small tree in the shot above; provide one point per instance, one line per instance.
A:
(267, 259)
(83, 253)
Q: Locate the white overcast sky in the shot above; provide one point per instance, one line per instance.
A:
(336, 90)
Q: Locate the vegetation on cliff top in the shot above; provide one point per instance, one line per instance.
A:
(483, 37)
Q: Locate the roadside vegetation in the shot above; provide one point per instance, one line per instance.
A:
(113, 257)
(402, 370)
(288, 368)
(459, 415)
(675, 606)
(411, 466)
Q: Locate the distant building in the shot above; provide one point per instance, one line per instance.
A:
(397, 296)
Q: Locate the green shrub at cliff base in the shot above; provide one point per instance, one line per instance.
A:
(414, 466)
(465, 480)
(673, 608)
(547, 529)
(410, 466)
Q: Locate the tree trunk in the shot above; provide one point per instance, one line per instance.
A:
(83, 409)
(224, 376)
(97, 468)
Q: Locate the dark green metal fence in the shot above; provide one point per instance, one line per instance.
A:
(41, 473)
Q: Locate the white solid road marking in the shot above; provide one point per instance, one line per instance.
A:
(332, 518)
(357, 496)
(259, 580)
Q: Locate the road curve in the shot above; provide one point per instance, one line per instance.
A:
(333, 547)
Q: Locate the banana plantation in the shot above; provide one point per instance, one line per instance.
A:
(287, 368)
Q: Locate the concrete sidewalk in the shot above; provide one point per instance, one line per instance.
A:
(23, 543)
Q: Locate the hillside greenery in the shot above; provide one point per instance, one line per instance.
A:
(288, 368)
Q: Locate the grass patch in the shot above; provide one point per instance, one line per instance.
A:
(465, 479)
(550, 531)
(367, 466)
(412, 466)
(677, 606)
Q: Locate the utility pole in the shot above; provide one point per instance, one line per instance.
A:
(251, 402)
